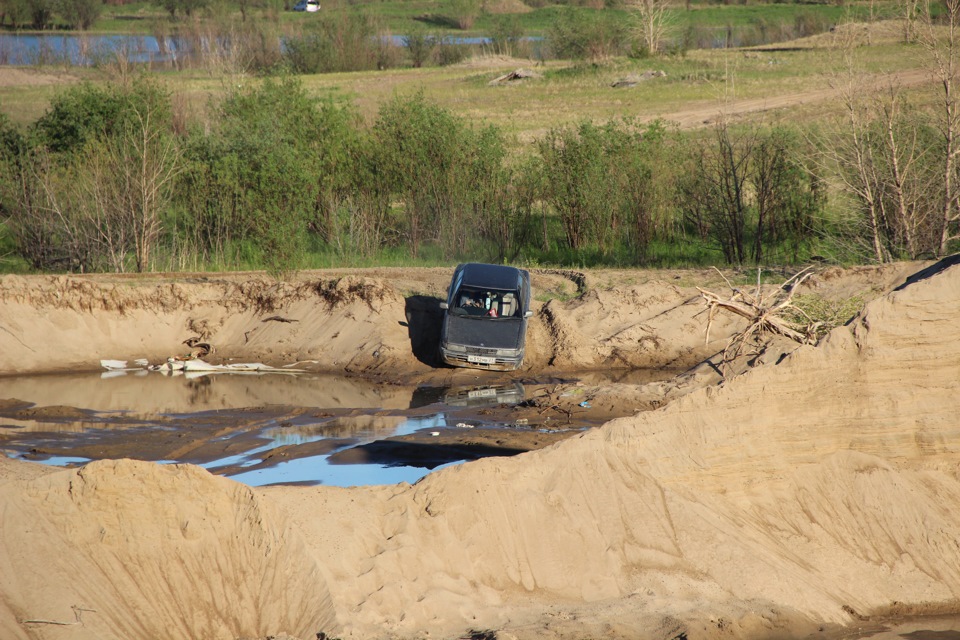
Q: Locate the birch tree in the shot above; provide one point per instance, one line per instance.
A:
(941, 40)
(651, 23)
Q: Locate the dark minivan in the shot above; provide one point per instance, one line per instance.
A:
(485, 323)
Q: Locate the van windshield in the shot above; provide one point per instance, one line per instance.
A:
(484, 303)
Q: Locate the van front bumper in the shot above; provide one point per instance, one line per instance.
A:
(481, 358)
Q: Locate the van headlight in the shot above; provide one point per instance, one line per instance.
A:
(508, 353)
(455, 347)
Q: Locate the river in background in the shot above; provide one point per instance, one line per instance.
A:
(85, 50)
(90, 50)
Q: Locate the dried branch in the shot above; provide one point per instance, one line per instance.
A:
(77, 611)
(762, 318)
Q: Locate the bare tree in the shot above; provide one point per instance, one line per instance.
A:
(942, 42)
(786, 193)
(911, 212)
(911, 10)
(847, 149)
(122, 186)
(714, 197)
(651, 22)
(886, 155)
(41, 219)
(149, 162)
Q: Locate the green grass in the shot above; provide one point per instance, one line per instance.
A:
(568, 92)
(827, 314)
(137, 18)
(10, 262)
(701, 81)
(402, 16)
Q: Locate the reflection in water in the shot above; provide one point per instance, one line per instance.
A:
(84, 49)
(343, 427)
(89, 49)
(158, 394)
(484, 396)
(261, 429)
(258, 429)
(318, 470)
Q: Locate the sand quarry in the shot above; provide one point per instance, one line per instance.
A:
(811, 494)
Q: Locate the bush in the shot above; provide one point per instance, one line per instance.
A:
(463, 13)
(448, 52)
(13, 149)
(276, 165)
(810, 23)
(80, 14)
(506, 36)
(341, 42)
(587, 35)
(607, 184)
(420, 46)
(87, 112)
(91, 187)
(443, 171)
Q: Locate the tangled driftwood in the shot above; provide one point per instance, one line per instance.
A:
(764, 316)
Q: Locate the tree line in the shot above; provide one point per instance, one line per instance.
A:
(112, 178)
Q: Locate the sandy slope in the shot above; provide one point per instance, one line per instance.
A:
(800, 494)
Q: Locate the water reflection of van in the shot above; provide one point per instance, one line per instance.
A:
(307, 5)
(484, 396)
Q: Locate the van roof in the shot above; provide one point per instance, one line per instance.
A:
(491, 276)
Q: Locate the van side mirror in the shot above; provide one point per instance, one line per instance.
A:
(528, 314)
(444, 305)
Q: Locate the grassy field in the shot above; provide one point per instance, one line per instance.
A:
(706, 81)
(404, 16)
(567, 92)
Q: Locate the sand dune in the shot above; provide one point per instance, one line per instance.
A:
(816, 492)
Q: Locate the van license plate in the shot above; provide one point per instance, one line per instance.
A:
(481, 359)
(482, 393)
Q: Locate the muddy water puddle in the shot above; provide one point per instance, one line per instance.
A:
(264, 429)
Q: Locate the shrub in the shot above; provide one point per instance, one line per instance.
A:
(463, 13)
(606, 183)
(276, 165)
(506, 35)
(448, 52)
(810, 23)
(341, 42)
(445, 173)
(89, 195)
(80, 14)
(183, 7)
(13, 150)
(420, 46)
(787, 196)
(87, 112)
(587, 35)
